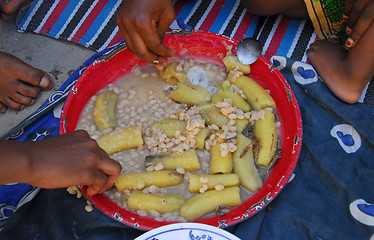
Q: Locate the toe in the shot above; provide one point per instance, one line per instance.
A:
(27, 90)
(22, 99)
(313, 47)
(46, 82)
(10, 103)
(334, 39)
(2, 108)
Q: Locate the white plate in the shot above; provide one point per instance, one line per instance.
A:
(187, 231)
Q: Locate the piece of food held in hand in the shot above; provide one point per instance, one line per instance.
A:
(195, 139)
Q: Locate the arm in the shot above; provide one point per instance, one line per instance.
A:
(71, 159)
(359, 15)
(143, 24)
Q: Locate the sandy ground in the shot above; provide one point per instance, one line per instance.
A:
(58, 58)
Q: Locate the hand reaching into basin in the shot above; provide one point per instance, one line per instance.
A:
(72, 159)
(143, 24)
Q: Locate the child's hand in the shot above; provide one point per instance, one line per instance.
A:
(143, 24)
(72, 159)
(359, 15)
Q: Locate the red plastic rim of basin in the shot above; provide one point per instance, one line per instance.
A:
(202, 46)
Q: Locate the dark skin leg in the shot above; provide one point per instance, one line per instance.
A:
(345, 72)
(291, 8)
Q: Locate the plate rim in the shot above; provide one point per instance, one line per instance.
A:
(184, 226)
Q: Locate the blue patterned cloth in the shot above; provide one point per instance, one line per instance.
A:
(329, 195)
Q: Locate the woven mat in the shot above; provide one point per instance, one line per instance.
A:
(91, 23)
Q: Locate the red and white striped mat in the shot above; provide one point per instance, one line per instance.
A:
(91, 23)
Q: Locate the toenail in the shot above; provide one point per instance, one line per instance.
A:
(333, 36)
(22, 107)
(348, 30)
(45, 83)
(32, 102)
(156, 61)
(349, 42)
(345, 17)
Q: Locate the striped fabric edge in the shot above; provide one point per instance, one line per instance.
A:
(279, 34)
(92, 24)
(283, 36)
(89, 23)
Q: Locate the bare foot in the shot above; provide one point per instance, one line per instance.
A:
(20, 83)
(330, 59)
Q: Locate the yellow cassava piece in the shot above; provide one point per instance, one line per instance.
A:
(154, 202)
(214, 98)
(200, 138)
(237, 101)
(196, 181)
(189, 94)
(204, 203)
(213, 115)
(187, 160)
(257, 97)
(171, 75)
(104, 110)
(219, 164)
(121, 139)
(141, 180)
(232, 63)
(265, 130)
(244, 164)
(241, 124)
(170, 126)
